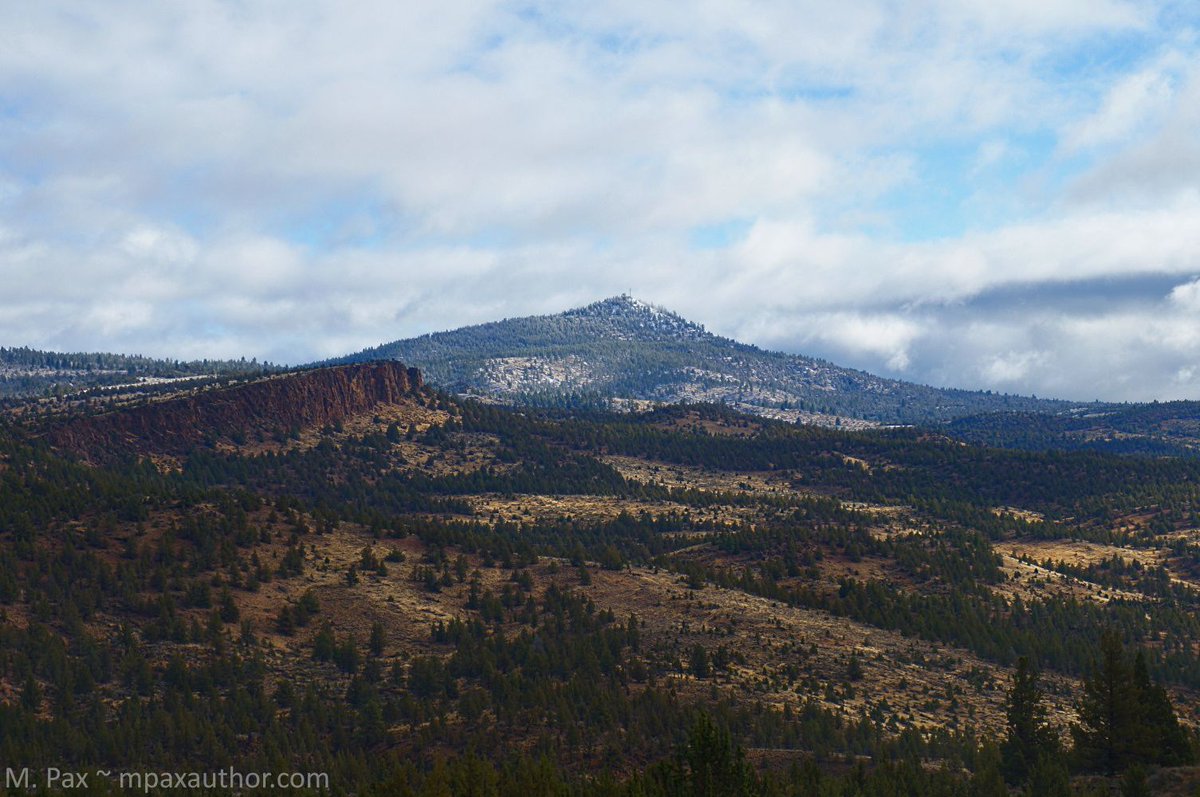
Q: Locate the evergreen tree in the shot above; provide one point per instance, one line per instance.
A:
(988, 779)
(324, 644)
(1028, 736)
(714, 765)
(378, 639)
(1133, 783)
(1049, 777)
(699, 661)
(1163, 740)
(1107, 735)
(31, 694)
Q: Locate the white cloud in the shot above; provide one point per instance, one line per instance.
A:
(1013, 368)
(1187, 295)
(885, 335)
(1134, 102)
(115, 318)
(1158, 160)
(989, 154)
(293, 180)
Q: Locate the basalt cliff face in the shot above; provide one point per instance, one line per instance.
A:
(287, 402)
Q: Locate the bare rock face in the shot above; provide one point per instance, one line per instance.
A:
(291, 401)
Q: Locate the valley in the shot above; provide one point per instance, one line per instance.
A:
(412, 572)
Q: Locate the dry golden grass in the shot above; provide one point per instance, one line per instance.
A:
(410, 413)
(694, 422)
(1034, 583)
(1080, 553)
(1021, 514)
(788, 655)
(924, 685)
(683, 476)
(580, 508)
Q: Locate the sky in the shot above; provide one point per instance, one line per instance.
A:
(992, 194)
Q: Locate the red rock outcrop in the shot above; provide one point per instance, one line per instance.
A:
(291, 401)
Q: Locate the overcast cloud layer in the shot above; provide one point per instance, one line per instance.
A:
(974, 193)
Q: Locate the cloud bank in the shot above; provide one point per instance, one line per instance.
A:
(976, 194)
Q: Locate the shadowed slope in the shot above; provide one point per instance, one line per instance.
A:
(297, 400)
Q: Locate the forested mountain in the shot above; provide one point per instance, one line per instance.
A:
(626, 349)
(347, 571)
(1170, 428)
(30, 372)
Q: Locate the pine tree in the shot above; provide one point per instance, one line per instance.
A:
(1049, 777)
(324, 643)
(715, 765)
(988, 779)
(1028, 736)
(699, 661)
(1106, 737)
(229, 607)
(1133, 783)
(378, 639)
(1162, 739)
(31, 694)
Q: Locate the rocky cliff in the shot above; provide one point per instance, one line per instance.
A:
(291, 401)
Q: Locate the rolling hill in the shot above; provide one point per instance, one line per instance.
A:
(1170, 428)
(627, 350)
(346, 571)
(31, 372)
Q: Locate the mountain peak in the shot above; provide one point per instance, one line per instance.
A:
(628, 315)
(630, 349)
(623, 303)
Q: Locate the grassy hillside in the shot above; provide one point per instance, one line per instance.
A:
(420, 591)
